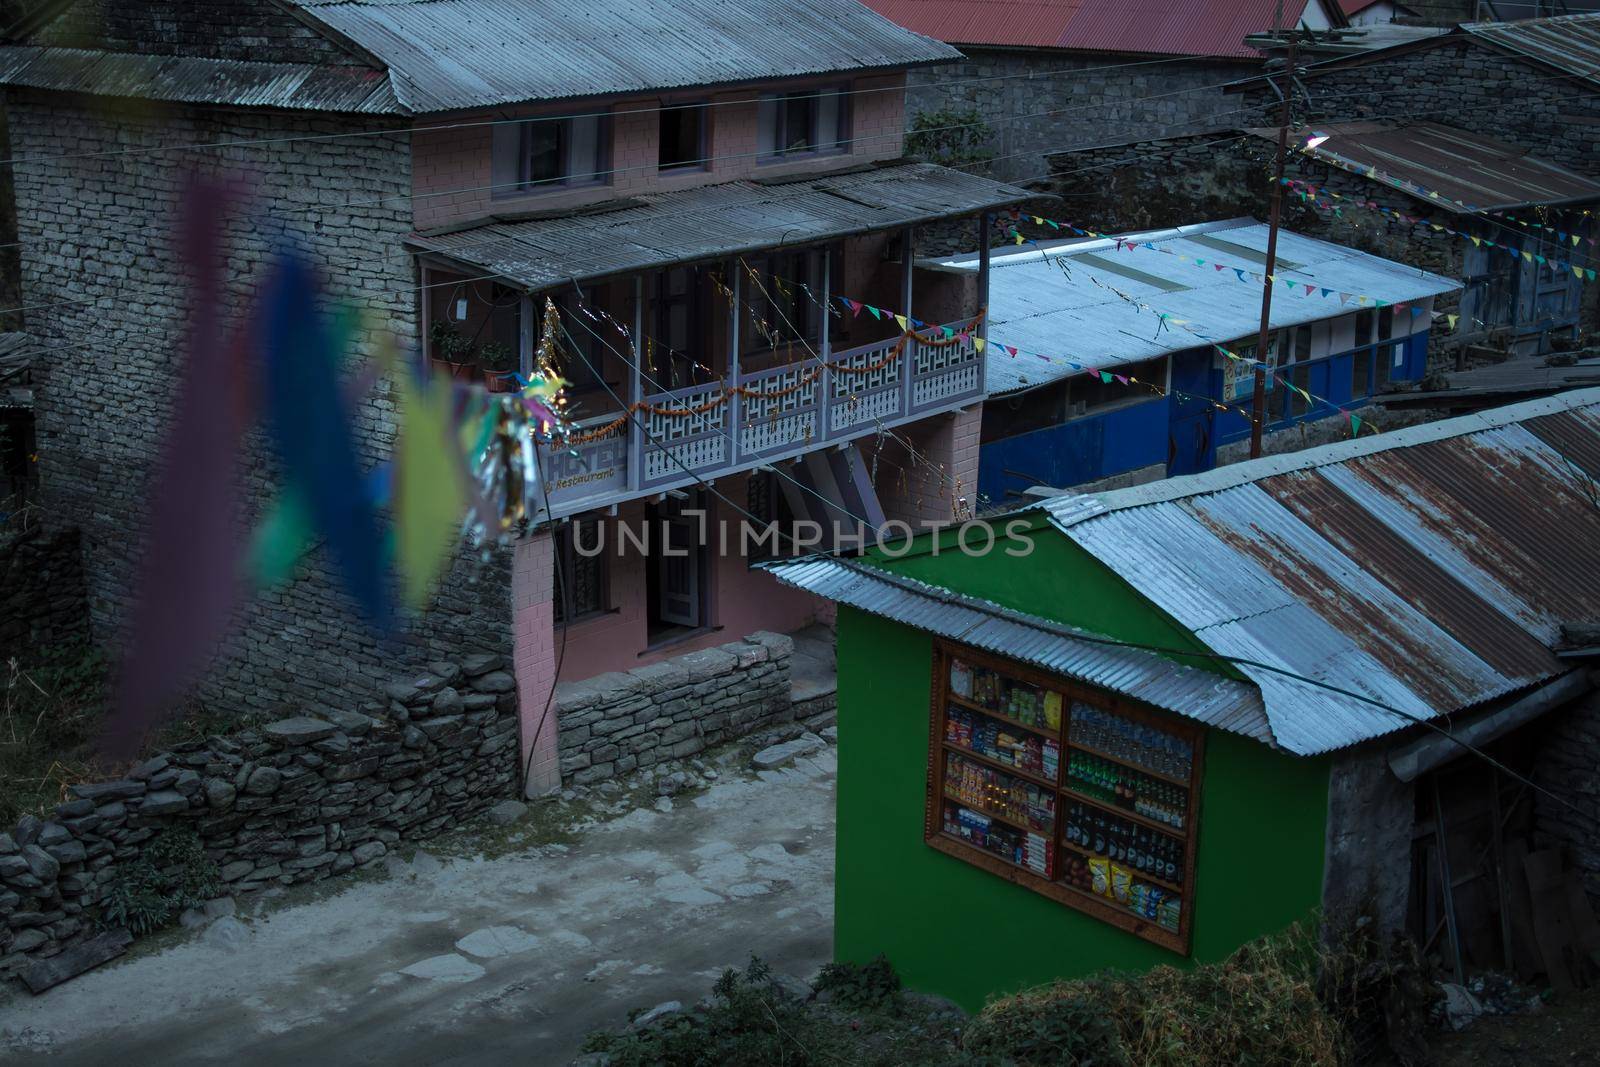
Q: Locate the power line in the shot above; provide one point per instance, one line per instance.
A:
(1236, 661)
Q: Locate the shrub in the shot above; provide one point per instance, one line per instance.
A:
(172, 874)
(49, 714)
(1259, 1007)
(747, 1022)
(950, 137)
(854, 986)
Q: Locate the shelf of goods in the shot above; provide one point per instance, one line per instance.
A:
(1082, 800)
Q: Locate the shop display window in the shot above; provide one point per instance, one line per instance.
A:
(1076, 793)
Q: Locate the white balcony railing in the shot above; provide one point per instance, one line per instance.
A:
(705, 431)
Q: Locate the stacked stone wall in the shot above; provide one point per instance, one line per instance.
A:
(617, 722)
(42, 605)
(1038, 102)
(98, 205)
(1568, 754)
(296, 800)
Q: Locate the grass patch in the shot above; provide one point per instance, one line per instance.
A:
(751, 1021)
(50, 714)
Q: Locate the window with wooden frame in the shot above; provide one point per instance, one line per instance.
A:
(580, 572)
(1075, 793)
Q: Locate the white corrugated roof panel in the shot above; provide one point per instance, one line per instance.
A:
(1079, 300)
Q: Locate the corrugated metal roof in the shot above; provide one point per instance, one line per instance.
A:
(1469, 171)
(1207, 28)
(454, 54)
(716, 220)
(191, 79)
(1196, 694)
(1428, 569)
(1566, 42)
(1051, 302)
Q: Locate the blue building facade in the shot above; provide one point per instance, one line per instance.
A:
(1183, 429)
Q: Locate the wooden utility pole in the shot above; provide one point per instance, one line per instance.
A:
(1258, 407)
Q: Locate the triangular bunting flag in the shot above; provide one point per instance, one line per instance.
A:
(1105, 377)
(1451, 320)
(901, 319)
(1355, 424)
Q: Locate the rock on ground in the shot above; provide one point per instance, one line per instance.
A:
(775, 756)
(446, 968)
(495, 941)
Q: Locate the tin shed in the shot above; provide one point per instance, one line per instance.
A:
(1147, 726)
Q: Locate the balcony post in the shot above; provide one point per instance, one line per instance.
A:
(985, 228)
(527, 335)
(825, 348)
(736, 288)
(908, 356)
(636, 389)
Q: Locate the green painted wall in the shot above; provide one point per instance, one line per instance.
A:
(953, 929)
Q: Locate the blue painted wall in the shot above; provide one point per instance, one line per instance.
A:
(1177, 430)
(1081, 450)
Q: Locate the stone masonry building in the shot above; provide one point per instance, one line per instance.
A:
(1046, 78)
(394, 166)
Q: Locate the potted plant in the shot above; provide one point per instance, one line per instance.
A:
(497, 361)
(450, 347)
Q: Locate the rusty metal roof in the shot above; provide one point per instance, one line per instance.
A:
(1426, 570)
(447, 55)
(1468, 171)
(715, 221)
(195, 80)
(1207, 28)
(1197, 694)
(429, 56)
(1569, 43)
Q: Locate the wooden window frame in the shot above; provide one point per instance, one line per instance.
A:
(566, 562)
(1093, 905)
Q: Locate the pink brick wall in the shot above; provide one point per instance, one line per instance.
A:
(451, 167)
(741, 601)
(934, 480)
(534, 654)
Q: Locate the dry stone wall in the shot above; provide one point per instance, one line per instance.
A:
(1038, 102)
(295, 800)
(41, 594)
(103, 272)
(617, 722)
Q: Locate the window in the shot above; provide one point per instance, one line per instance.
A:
(683, 137)
(545, 154)
(1072, 792)
(791, 124)
(1299, 372)
(1385, 354)
(765, 499)
(1088, 393)
(580, 572)
(779, 312)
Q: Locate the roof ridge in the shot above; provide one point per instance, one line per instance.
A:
(1068, 509)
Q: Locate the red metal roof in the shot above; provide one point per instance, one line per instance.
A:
(1155, 27)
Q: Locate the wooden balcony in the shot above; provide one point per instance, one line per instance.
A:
(707, 431)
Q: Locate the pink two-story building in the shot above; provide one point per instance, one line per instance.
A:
(694, 185)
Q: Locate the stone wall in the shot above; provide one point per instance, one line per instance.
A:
(41, 594)
(1038, 102)
(297, 800)
(1178, 181)
(1375, 418)
(1566, 765)
(1370, 820)
(614, 723)
(102, 273)
(1460, 84)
